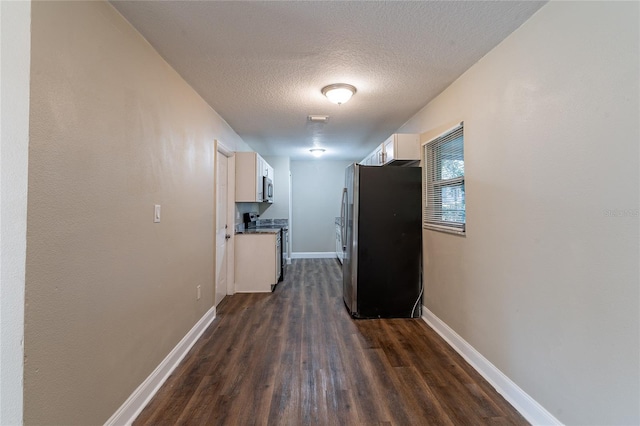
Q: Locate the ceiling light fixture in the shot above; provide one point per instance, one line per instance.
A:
(339, 93)
(317, 152)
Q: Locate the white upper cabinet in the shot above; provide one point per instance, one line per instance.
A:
(374, 158)
(265, 170)
(402, 147)
(377, 157)
(262, 170)
(250, 171)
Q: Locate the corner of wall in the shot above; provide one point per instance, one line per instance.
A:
(15, 33)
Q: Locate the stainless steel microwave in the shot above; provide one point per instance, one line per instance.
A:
(267, 190)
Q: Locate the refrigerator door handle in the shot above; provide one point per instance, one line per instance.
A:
(343, 218)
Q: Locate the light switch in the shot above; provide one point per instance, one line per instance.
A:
(156, 213)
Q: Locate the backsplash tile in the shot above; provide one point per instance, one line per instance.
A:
(269, 222)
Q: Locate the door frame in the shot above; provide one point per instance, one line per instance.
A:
(222, 149)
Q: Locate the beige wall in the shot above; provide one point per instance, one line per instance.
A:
(113, 131)
(545, 284)
(316, 190)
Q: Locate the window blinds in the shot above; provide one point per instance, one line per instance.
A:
(444, 196)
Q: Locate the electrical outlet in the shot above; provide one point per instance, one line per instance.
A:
(198, 293)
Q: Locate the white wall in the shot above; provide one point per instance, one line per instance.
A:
(241, 208)
(317, 190)
(546, 283)
(15, 51)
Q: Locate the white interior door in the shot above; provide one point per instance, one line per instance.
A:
(222, 231)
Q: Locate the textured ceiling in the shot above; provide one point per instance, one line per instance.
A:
(261, 65)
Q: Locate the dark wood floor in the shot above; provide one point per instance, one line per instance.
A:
(295, 357)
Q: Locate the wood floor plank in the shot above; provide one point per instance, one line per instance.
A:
(296, 357)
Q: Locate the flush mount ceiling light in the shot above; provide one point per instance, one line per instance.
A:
(339, 93)
(317, 152)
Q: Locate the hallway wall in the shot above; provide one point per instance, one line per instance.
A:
(114, 130)
(545, 282)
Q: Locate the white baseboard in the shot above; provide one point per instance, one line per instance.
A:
(127, 413)
(313, 255)
(530, 409)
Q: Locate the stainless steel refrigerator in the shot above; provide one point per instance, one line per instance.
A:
(382, 241)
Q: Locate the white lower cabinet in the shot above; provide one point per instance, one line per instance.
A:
(256, 257)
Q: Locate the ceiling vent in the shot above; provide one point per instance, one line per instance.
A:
(318, 118)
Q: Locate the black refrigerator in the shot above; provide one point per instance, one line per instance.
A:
(382, 241)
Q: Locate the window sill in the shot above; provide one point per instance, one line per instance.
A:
(446, 229)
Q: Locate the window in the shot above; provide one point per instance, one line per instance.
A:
(444, 198)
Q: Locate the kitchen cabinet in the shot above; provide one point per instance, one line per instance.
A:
(371, 159)
(264, 169)
(377, 158)
(374, 158)
(257, 262)
(251, 168)
(401, 147)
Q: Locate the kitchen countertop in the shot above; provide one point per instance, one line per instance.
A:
(261, 226)
(285, 227)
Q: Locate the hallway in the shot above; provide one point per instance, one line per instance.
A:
(295, 357)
